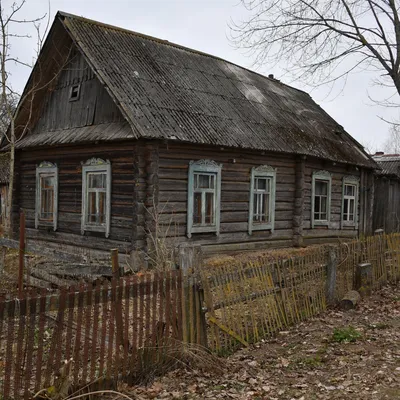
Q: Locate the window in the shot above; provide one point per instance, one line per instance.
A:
(262, 198)
(96, 196)
(350, 201)
(46, 195)
(74, 92)
(204, 188)
(321, 198)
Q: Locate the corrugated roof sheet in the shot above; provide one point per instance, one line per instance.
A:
(390, 164)
(102, 132)
(171, 92)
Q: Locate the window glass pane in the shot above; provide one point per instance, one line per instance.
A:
(317, 204)
(197, 208)
(97, 181)
(323, 204)
(204, 181)
(48, 182)
(209, 217)
(92, 207)
(102, 207)
(321, 187)
(261, 184)
(266, 208)
(349, 190)
(345, 209)
(255, 206)
(47, 197)
(352, 210)
(212, 181)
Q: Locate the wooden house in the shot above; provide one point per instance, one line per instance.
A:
(386, 214)
(133, 140)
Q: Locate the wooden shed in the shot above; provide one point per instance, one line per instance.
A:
(387, 193)
(135, 140)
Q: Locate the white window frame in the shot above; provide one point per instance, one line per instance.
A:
(327, 177)
(49, 169)
(354, 181)
(96, 165)
(211, 167)
(263, 171)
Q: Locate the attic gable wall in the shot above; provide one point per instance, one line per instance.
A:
(93, 107)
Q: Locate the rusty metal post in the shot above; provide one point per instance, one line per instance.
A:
(117, 297)
(114, 263)
(21, 252)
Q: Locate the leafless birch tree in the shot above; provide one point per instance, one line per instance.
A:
(41, 80)
(321, 41)
(12, 28)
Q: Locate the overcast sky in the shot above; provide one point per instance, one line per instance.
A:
(203, 25)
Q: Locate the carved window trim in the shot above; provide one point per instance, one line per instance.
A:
(208, 167)
(326, 177)
(48, 169)
(354, 181)
(263, 171)
(96, 165)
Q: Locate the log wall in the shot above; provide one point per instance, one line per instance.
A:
(68, 160)
(149, 193)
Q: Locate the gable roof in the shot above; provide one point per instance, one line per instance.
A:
(389, 163)
(166, 91)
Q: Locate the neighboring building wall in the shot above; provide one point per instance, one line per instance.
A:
(386, 214)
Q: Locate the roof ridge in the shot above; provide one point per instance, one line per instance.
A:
(173, 44)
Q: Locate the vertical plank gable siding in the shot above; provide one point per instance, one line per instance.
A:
(68, 160)
(93, 107)
(174, 160)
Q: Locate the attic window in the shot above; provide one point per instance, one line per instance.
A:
(75, 92)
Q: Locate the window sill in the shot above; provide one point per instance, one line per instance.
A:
(202, 229)
(261, 227)
(94, 228)
(346, 224)
(321, 223)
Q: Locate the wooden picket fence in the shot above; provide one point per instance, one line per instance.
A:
(111, 330)
(248, 301)
(131, 327)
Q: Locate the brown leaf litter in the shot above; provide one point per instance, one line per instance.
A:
(305, 363)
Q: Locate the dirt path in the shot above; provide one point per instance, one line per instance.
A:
(306, 362)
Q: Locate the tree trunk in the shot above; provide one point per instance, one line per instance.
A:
(350, 300)
(8, 229)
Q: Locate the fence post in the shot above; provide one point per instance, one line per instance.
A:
(118, 297)
(21, 252)
(363, 281)
(331, 270)
(190, 260)
(115, 263)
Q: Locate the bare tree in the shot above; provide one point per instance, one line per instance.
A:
(10, 28)
(321, 41)
(22, 117)
(392, 143)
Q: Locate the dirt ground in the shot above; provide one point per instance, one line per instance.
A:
(305, 362)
